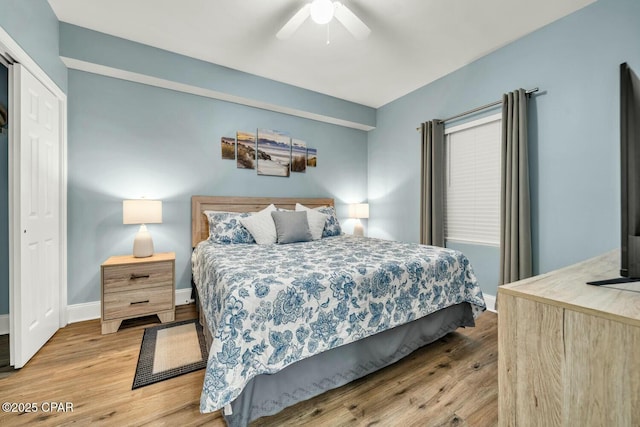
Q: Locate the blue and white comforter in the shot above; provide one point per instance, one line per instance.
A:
(271, 305)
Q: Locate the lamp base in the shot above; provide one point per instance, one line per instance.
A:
(358, 230)
(142, 244)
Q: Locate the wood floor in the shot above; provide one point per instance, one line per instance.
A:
(452, 382)
(5, 359)
(4, 350)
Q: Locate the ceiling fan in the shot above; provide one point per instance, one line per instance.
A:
(322, 12)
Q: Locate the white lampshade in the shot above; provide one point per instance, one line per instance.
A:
(142, 211)
(321, 11)
(359, 210)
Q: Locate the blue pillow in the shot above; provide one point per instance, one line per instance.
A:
(332, 226)
(225, 228)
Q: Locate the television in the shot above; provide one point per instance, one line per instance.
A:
(629, 178)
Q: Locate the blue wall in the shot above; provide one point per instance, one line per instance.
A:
(128, 140)
(98, 48)
(574, 135)
(34, 26)
(4, 199)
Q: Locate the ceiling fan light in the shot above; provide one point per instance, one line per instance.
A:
(321, 11)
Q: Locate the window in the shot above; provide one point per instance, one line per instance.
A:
(472, 194)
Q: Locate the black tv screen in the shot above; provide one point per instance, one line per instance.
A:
(629, 179)
(630, 172)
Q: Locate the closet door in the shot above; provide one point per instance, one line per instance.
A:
(35, 216)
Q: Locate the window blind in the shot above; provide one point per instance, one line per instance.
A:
(472, 194)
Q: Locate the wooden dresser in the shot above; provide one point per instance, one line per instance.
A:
(568, 352)
(135, 287)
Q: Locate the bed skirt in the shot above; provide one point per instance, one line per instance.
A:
(268, 394)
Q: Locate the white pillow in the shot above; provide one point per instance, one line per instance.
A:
(316, 220)
(261, 226)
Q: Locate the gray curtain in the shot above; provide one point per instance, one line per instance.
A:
(432, 184)
(515, 211)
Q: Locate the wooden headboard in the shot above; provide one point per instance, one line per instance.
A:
(199, 204)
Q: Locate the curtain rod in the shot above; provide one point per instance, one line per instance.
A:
(484, 107)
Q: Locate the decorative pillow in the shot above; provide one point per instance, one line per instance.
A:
(225, 227)
(316, 220)
(261, 226)
(331, 226)
(291, 227)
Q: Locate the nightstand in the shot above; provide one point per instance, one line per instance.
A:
(135, 287)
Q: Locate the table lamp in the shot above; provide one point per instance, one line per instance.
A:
(358, 211)
(142, 211)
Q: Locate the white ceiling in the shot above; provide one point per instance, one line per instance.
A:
(412, 42)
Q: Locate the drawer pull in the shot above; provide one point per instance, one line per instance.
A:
(138, 276)
(139, 302)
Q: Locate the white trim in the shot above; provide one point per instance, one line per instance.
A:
(4, 324)
(83, 311)
(63, 212)
(473, 123)
(103, 70)
(473, 242)
(490, 300)
(91, 310)
(183, 296)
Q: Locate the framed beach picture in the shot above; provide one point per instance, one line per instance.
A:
(274, 152)
(228, 147)
(312, 157)
(298, 155)
(246, 158)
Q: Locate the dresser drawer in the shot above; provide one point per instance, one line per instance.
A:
(137, 302)
(117, 278)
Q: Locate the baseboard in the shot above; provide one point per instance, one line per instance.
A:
(183, 296)
(490, 300)
(84, 311)
(4, 324)
(91, 310)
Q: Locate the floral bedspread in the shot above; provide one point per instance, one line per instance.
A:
(271, 305)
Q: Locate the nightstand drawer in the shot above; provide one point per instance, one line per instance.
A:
(118, 278)
(137, 302)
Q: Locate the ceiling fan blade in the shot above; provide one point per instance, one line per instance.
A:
(294, 23)
(351, 22)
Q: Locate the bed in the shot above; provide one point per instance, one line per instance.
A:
(286, 322)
